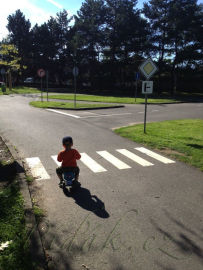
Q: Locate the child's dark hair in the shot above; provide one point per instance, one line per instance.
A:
(67, 139)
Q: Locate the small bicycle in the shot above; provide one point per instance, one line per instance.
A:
(69, 182)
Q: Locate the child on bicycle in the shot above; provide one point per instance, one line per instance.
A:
(68, 158)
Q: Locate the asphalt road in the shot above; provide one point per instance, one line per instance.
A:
(137, 218)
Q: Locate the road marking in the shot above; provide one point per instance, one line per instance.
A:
(37, 169)
(68, 114)
(91, 164)
(140, 112)
(154, 155)
(155, 110)
(90, 116)
(134, 157)
(55, 159)
(115, 161)
(105, 115)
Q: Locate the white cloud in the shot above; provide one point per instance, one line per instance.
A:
(55, 4)
(31, 12)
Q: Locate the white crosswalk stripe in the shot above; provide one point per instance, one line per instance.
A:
(155, 155)
(55, 159)
(37, 169)
(91, 163)
(115, 161)
(135, 158)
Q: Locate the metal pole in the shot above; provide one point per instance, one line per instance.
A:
(145, 114)
(47, 77)
(41, 91)
(75, 90)
(136, 90)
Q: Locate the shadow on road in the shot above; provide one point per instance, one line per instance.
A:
(187, 240)
(89, 202)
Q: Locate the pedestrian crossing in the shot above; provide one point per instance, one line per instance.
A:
(135, 158)
(115, 159)
(91, 163)
(37, 169)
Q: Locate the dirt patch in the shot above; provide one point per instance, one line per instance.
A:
(170, 152)
(7, 165)
(5, 155)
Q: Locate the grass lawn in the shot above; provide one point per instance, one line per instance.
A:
(20, 90)
(65, 105)
(12, 228)
(181, 139)
(14, 240)
(127, 100)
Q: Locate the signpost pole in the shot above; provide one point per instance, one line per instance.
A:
(41, 73)
(136, 78)
(145, 114)
(75, 85)
(41, 91)
(148, 68)
(136, 90)
(47, 79)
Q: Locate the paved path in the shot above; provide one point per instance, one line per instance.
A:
(135, 209)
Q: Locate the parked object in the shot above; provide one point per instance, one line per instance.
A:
(29, 80)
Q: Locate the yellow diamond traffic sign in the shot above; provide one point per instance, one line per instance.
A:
(148, 68)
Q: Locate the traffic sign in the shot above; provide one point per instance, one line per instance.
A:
(75, 71)
(41, 72)
(147, 87)
(148, 68)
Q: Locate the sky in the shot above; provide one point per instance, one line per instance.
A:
(39, 11)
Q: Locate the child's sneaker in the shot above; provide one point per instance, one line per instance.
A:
(61, 184)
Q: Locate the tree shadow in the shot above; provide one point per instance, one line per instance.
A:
(9, 171)
(197, 146)
(84, 199)
(183, 238)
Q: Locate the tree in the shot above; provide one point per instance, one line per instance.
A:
(20, 35)
(88, 37)
(126, 36)
(51, 45)
(157, 12)
(59, 29)
(184, 20)
(10, 60)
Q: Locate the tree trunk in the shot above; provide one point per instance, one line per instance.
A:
(174, 75)
(10, 80)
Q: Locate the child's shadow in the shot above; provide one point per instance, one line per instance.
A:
(84, 199)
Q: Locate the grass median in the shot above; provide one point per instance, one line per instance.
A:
(20, 90)
(107, 99)
(66, 105)
(180, 139)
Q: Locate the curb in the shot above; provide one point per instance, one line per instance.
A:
(36, 247)
(85, 109)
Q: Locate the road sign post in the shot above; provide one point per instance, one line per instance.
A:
(147, 88)
(137, 75)
(148, 68)
(75, 74)
(41, 74)
(47, 82)
(145, 114)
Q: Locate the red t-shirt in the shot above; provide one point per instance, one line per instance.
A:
(69, 157)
